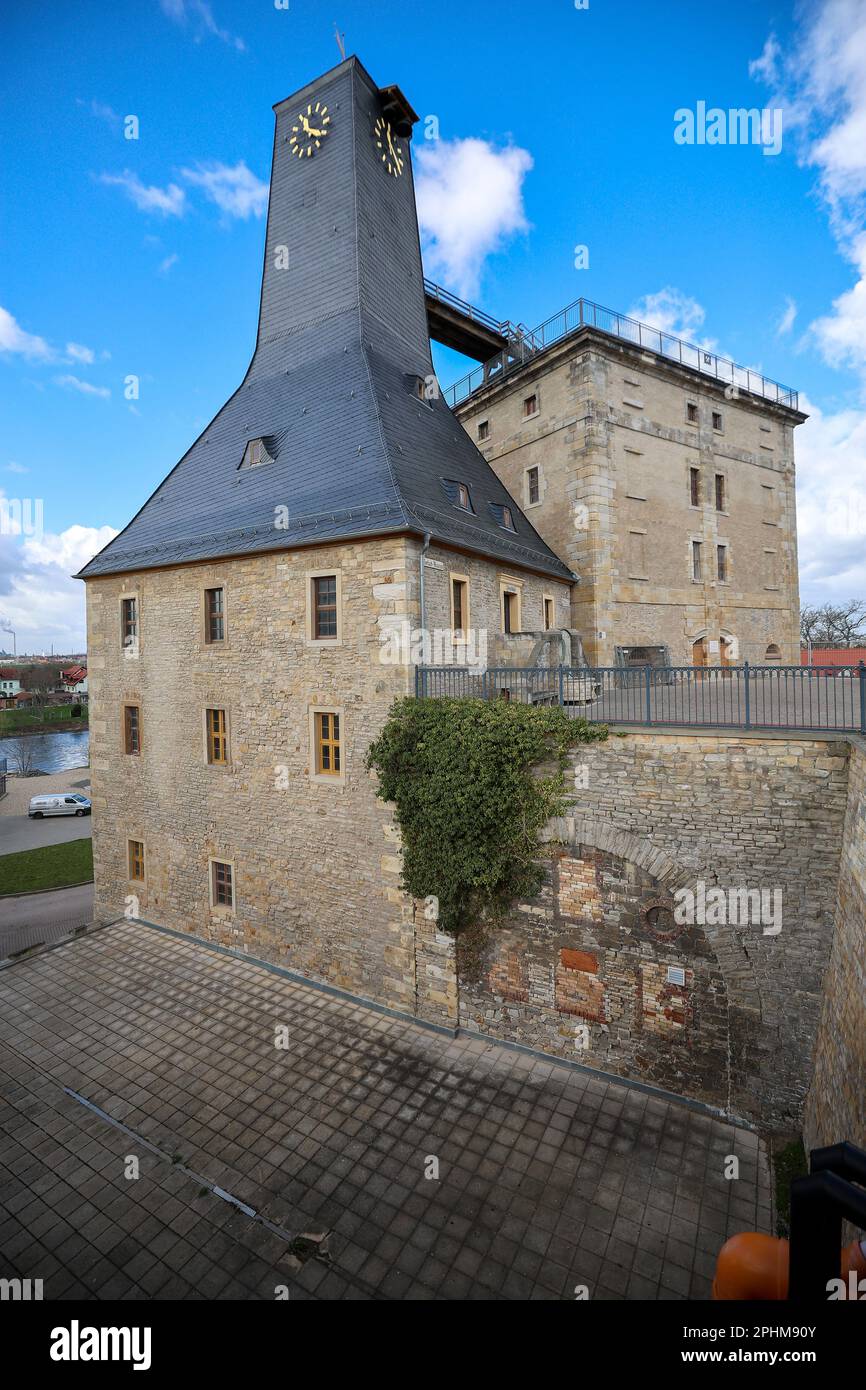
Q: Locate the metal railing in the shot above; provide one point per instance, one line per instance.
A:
(468, 310)
(583, 313)
(823, 699)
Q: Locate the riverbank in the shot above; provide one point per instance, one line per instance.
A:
(48, 726)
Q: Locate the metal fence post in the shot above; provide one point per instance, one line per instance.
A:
(649, 709)
(562, 685)
(748, 696)
(862, 675)
(417, 682)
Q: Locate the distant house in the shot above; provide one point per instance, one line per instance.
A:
(74, 680)
(10, 686)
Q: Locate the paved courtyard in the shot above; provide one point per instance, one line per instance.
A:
(128, 1050)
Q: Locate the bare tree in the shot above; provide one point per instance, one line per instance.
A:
(834, 625)
(23, 758)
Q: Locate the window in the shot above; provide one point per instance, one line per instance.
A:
(530, 405)
(507, 519)
(129, 621)
(484, 429)
(222, 884)
(136, 860)
(549, 608)
(132, 728)
(325, 607)
(692, 413)
(533, 486)
(720, 492)
(717, 420)
(463, 497)
(459, 607)
(770, 572)
(327, 727)
(696, 560)
(695, 486)
(509, 612)
(255, 454)
(214, 615)
(722, 563)
(217, 736)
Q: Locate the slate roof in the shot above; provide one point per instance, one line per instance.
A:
(342, 333)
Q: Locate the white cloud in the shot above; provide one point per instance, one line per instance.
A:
(85, 387)
(168, 202)
(38, 596)
(786, 322)
(234, 188)
(15, 467)
(673, 312)
(831, 503)
(470, 200)
(78, 353)
(105, 113)
(822, 84)
(14, 339)
(166, 265)
(200, 14)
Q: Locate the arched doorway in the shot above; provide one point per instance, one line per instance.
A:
(772, 654)
(699, 652)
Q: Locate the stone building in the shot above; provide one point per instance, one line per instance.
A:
(663, 474)
(250, 627)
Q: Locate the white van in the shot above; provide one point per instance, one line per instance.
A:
(63, 804)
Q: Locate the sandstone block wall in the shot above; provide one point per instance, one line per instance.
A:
(596, 970)
(614, 445)
(836, 1104)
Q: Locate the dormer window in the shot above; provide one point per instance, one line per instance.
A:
(421, 388)
(458, 494)
(504, 515)
(255, 454)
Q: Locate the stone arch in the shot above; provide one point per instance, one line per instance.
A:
(734, 963)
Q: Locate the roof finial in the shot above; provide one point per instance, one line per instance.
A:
(341, 41)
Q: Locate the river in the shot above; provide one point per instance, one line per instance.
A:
(54, 752)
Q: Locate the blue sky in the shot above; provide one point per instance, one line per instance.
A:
(142, 257)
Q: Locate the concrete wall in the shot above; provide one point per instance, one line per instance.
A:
(614, 446)
(836, 1104)
(583, 970)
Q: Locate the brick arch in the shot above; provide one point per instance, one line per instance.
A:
(734, 964)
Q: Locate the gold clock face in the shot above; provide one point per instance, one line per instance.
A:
(388, 147)
(310, 130)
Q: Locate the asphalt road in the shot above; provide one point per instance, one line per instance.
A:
(34, 918)
(20, 832)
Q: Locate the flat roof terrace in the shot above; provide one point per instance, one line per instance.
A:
(525, 345)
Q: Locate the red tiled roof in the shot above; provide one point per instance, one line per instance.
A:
(74, 674)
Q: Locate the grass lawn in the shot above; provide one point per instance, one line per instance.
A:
(50, 866)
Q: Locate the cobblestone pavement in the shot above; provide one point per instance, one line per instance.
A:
(548, 1177)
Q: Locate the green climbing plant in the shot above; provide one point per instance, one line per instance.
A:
(471, 797)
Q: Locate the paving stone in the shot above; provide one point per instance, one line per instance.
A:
(549, 1178)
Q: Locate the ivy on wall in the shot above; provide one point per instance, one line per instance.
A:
(471, 799)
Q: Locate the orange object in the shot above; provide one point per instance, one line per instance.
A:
(754, 1266)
